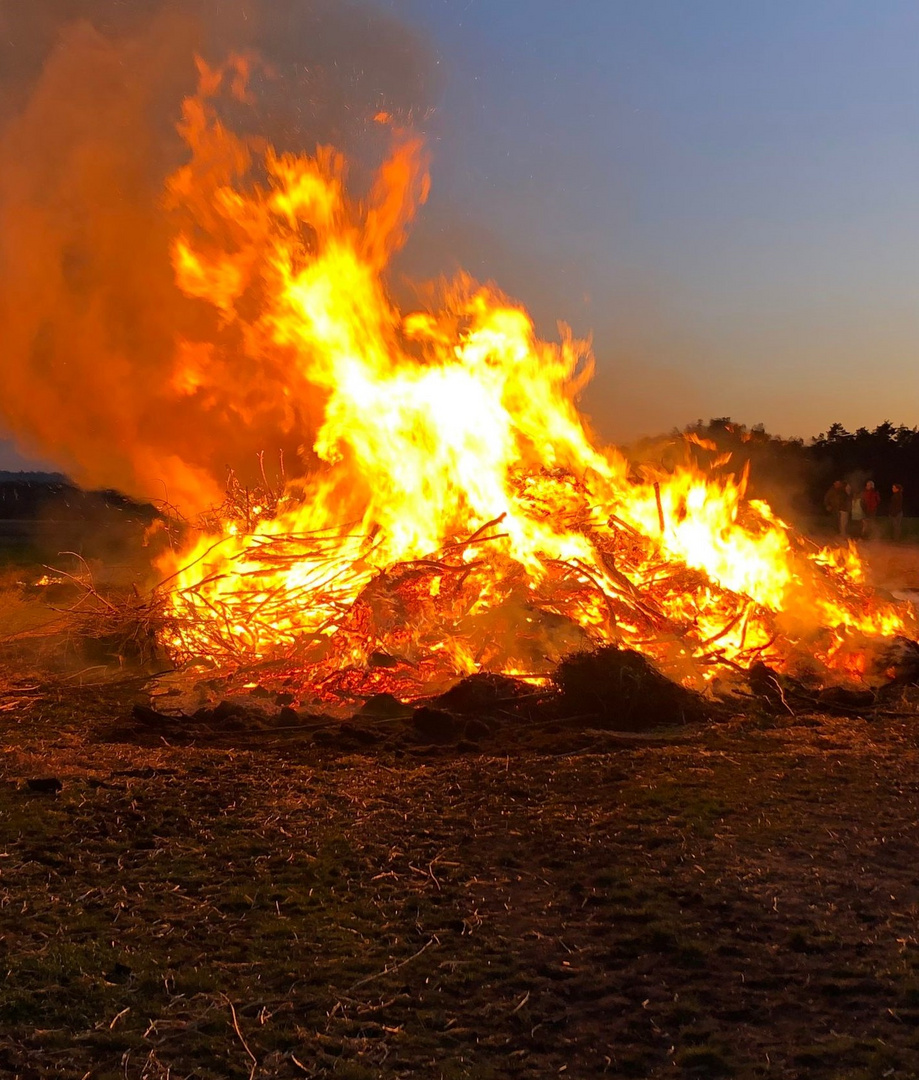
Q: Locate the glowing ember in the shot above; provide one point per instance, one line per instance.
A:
(485, 529)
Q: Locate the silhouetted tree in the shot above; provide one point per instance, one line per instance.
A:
(793, 475)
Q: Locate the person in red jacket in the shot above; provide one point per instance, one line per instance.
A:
(870, 500)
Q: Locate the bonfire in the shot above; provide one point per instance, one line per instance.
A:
(451, 512)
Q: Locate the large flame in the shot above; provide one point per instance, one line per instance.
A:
(458, 514)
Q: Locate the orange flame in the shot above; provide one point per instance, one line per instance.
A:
(443, 425)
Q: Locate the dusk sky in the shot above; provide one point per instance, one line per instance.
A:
(723, 194)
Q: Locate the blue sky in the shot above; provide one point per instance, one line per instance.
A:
(726, 195)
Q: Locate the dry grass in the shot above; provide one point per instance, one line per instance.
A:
(741, 902)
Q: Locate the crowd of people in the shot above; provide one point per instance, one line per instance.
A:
(857, 514)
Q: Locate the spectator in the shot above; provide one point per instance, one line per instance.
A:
(858, 513)
(838, 503)
(870, 500)
(896, 512)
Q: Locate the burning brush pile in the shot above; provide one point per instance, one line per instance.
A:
(451, 513)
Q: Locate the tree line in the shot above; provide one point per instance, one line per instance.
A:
(793, 475)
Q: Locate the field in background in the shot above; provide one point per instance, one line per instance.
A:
(894, 567)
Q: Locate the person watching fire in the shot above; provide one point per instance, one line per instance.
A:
(870, 500)
(895, 512)
(838, 503)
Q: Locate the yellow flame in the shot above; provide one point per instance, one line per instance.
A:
(435, 423)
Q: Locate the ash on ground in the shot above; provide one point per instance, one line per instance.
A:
(592, 698)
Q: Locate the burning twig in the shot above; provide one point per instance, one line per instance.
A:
(660, 508)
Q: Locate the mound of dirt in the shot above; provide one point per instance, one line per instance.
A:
(610, 690)
(621, 690)
(483, 692)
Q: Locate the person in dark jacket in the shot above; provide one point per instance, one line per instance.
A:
(838, 503)
(870, 500)
(896, 512)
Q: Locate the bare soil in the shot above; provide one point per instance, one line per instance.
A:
(734, 899)
(892, 566)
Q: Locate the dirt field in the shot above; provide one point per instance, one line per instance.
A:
(732, 899)
(892, 566)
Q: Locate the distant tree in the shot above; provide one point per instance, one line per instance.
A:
(721, 423)
(835, 433)
(793, 474)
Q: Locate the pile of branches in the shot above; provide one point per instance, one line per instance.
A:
(309, 610)
(416, 627)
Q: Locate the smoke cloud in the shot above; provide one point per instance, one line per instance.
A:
(90, 94)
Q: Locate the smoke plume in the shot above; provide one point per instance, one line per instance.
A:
(92, 318)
